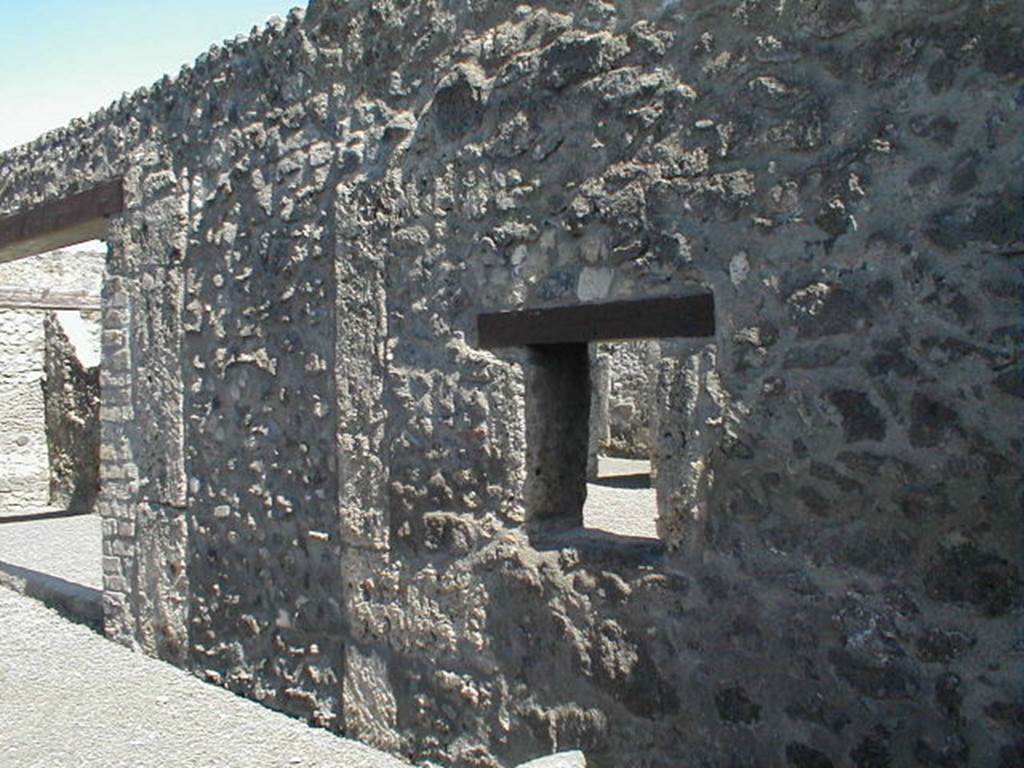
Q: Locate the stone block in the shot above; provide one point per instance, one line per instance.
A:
(561, 760)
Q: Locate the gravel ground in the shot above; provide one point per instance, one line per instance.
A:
(622, 501)
(68, 548)
(71, 699)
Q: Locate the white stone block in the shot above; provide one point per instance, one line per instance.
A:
(561, 760)
(594, 284)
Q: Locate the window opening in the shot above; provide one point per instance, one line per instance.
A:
(590, 405)
(588, 412)
(620, 494)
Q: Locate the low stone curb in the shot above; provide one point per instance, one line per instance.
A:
(73, 601)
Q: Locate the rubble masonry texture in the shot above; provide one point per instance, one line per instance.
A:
(72, 411)
(313, 482)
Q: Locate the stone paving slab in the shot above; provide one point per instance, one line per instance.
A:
(71, 699)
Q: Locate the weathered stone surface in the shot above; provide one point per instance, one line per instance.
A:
(622, 398)
(734, 706)
(458, 103)
(316, 217)
(802, 756)
(71, 393)
(24, 482)
(861, 419)
(871, 752)
(1011, 382)
(964, 573)
(823, 309)
(931, 422)
(941, 646)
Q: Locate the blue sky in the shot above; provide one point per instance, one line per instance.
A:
(61, 59)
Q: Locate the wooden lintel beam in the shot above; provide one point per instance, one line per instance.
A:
(43, 298)
(73, 219)
(684, 316)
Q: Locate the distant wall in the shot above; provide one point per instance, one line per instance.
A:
(71, 394)
(627, 386)
(24, 477)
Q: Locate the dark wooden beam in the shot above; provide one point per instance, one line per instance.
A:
(44, 298)
(73, 219)
(684, 316)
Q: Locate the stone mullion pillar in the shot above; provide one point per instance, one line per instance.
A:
(116, 466)
(687, 423)
(653, 361)
(600, 393)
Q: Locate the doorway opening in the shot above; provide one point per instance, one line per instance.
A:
(50, 335)
(54, 258)
(49, 377)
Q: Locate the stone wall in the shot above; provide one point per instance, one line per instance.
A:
(319, 493)
(623, 398)
(71, 397)
(24, 479)
(25, 471)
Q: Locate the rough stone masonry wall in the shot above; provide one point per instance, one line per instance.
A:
(71, 397)
(25, 470)
(839, 473)
(315, 485)
(219, 502)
